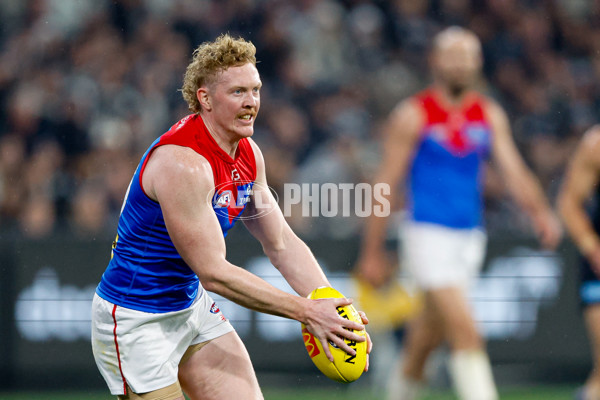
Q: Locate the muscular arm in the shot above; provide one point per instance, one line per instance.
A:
(523, 186)
(400, 139)
(290, 255)
(182, 182)
(581, 178)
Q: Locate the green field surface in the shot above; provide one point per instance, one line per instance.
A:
(524, 393)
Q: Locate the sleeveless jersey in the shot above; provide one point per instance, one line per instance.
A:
(146, 272)
(445, 182)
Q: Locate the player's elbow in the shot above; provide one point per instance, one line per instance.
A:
(277, 248)
(213, 286)
(212, 278)
(214, 283)
(275, 254)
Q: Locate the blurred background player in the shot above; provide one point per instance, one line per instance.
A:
(439, 141)
(579, 186)
(155, 329)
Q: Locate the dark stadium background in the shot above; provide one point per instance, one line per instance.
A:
(85, 87)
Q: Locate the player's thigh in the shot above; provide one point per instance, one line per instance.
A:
(221, 369)
(424, 335)
(425, 330)
(452, 308)
(426, 327)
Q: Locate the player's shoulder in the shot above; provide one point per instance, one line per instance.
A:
(259, 160)
(175, 160)
(255, 148)
(421, 99)
(491, 108)
(409, 108)
(406, 119)
(171, 167)
(591, 137)
(488, 103)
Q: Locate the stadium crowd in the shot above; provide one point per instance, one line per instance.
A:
(86, 86)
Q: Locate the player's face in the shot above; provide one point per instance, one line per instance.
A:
(457, 63)
(235, 100)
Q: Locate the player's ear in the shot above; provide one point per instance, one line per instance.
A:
(204, 98)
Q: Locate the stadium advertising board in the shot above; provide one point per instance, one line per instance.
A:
(525, 303)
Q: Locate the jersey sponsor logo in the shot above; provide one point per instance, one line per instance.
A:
(477, 134)
(243, 195)
(230, 200)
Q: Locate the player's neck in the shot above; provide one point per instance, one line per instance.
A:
(226, 143)
(454, 97)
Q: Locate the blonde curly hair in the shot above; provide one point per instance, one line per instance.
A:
(209, 59)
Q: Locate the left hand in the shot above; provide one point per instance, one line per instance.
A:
(548, 229)
(365, 321)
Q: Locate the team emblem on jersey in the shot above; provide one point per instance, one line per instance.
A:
(224, 199)
(214, 309)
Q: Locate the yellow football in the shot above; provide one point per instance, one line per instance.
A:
(345, 367)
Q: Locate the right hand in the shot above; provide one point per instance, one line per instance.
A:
(548, 229)
(323, 321)
(375, 268)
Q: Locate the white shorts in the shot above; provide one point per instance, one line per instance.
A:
(437, 256)
(143, 350)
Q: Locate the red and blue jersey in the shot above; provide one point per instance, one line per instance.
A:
(146, 272)
(445, 183)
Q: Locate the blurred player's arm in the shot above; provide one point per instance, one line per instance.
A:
(401, 134)
(523, 186)
(581, 178)
(182, 182)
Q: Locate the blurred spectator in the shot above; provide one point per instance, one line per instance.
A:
(93, 83)
(37, 218)
(89, 214)
(12, 188)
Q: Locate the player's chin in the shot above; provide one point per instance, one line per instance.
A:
(458, 88)
(245, 131)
